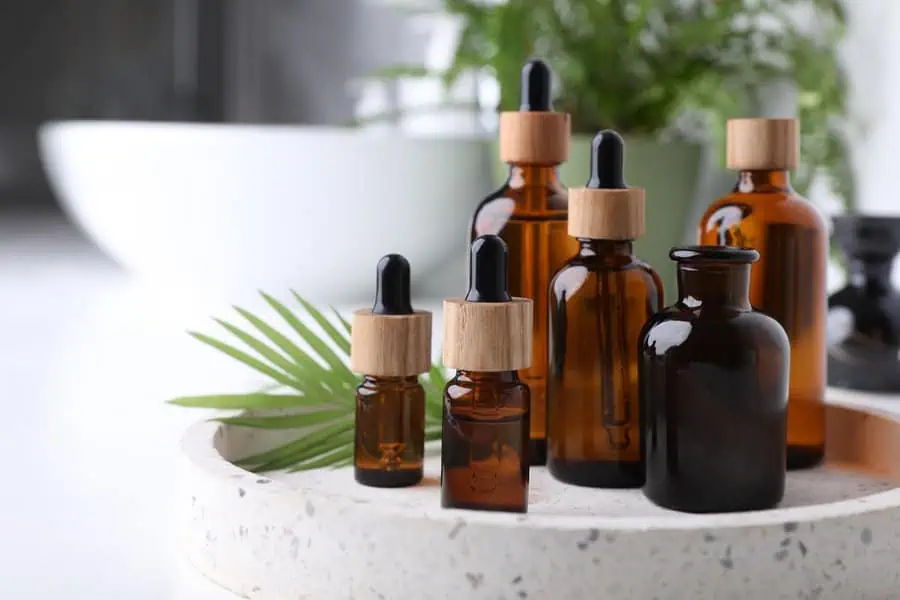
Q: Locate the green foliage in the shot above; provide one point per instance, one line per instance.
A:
(638, 65)
(318, 397)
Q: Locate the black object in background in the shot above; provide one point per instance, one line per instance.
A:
(106, 59)
(864, 316)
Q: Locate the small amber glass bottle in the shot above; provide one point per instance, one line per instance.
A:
(391, 345)
(599, 301)
(529, 212)
(487, 338)
(763, 212)
(714, 387)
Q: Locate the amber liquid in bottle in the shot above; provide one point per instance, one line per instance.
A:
(529, 212)
(390, 439)
(599, 302)
(485, 442)
(788, 284)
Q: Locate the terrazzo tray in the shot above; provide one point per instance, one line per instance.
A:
(318, 535)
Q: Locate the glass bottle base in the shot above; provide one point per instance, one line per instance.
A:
(804, 457)
(537, 452)
(598, 474)
(515, 508)
(388, 479)
(702, 502)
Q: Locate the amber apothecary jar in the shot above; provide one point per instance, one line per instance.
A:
(714, 388)
(765, 213)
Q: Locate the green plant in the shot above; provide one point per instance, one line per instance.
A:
(318, 397)
(639, 65)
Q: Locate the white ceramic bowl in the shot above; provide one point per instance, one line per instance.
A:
(228, 209)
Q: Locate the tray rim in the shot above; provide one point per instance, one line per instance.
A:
(198, 447)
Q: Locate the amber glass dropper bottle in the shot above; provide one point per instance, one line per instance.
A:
(487, 338)
(391, 345)
(599, 301)
(763, 212)
(529, 212)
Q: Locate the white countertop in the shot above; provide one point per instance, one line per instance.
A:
(90, 356)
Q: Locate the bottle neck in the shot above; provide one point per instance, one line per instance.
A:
(714, 285)
(764, 182)
(487, 377)
(522, 175)
(537, 187)
(605, 248)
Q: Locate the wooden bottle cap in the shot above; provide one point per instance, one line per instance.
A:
(606, 208)
(391, 339)
(488, 330)
(763, 144)
(487, 336)
(606, 214)
(535, 134)
(390, 345)
(534, 138)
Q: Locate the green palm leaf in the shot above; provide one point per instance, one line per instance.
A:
(334, 335)
(293, 421)
(246, 359)
(335, 362)
(343, 321)
(245, 401)
(300, 445)
(320, 401)
(325, 460)
(260, 347)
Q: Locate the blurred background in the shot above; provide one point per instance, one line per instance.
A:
(204, 144)
(161, 160)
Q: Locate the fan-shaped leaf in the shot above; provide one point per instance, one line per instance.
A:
(308, 440)
(245, 401)
(245, 358)
(294, 421)
(340, 340)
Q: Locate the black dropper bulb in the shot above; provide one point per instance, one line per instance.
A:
(392, 286)
(535, 87)
(487, 271)
(607, 161)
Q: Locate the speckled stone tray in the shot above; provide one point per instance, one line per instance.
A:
(318, 535)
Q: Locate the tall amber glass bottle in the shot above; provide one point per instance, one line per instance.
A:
(599, 301)
(391, 345)
(529, 212)
(763, 212)
(487, 338)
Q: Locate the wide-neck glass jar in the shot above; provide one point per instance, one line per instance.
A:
(714, 388)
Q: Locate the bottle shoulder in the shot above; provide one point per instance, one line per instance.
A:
(677, 326)
(463, 389)
(548, 201)
(464, 382)
(580, 272)
(374, 386)
(488, 400)
(772, 208)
